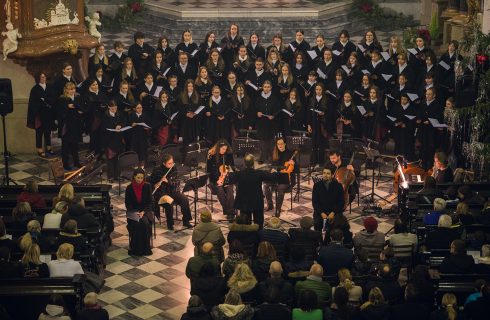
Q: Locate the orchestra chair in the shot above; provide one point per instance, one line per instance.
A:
(404, 254)
(126, 162)
(61, 176)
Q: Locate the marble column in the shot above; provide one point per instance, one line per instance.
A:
(485, 28)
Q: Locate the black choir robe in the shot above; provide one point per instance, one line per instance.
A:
(70, 121)
(320, 124)
(294, 122)
(426, 133)
(219, 128)
(257, 52)
(408, 71)
(136, 53)
(360, 94)
(189, 127)
(189, 49)
(216, 72)
(204, 90)
(243, 114)
(345, 51)
(258, 80)
(148, 101)
(365, 56)
(319, 55)
(112, 141)
(169, 57)
(173, 93)
(404, 128)
(300, 72)
(372, 123)
(164, 128)
(266, 129)
(204, 51)
(95, 105)
(349, 113)
(159, 73)
(41, 109)
(95, 61)
(190, 72)
(303, 47)
(328, 68)
(230, 47)
(139, 134)
(242, 68)
(115, 65)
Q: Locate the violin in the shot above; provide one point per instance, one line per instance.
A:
(346, 178)
(223, 170)
(289, 167)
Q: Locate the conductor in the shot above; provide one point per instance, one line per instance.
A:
(328, 199)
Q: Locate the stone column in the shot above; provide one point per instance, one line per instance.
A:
(485, 28)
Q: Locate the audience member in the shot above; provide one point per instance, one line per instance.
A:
(402, 237)
(308, 306)
(464, 214)
(340, 309)
(8, 269)
(345, 281)
(375, 308)
(33, 235)
(335, 256)
(196, 310)
(449, 309)
(209, 285)
(410, 309)
(432, 218)
(466, 195)
(429, 192)
(370, 236)
(208, 231)
(93, 310)
(195, 263)
(265, 255)
(70, 234)
(66, 193)
(297, 266)
(479, 283)
(84, 219)
(387, 256)
(247, 233)
(315, 282)
(286, 290)
(5, 241)
(422, 282)
(31, 262)
(244, 282)
(362, 266)
(274, 234)
(458, 261)
(21, 215)
(64, 265)
(272, 308)
(52, 220)
(389, 286)
(479, 309)
(443, 235)
(483, 263)
(55, 309)
(305, 237)
(340, 222)
(232, 308)
(236, 255)
(31, 195)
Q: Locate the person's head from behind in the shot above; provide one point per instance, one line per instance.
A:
(208, 270)
(33, 232)
(465, 193)
(266, 250)
(316, 270)
(79, 201)
(56, 301)
(249, 161)
(306, 222)
(458, 247)
(61, 207)
(70, 227)
(65, 251)
(410, 293)
(445, 221)
(344, 275)
(31, 187)
(450, 303)
(233, 298)
(385, 271)
(336, 235)
(376, 296)
(66, 192)
(439, 204)
(21, 211)
(400, 226)
(32, 255)
(194, 302)
(307, 300)
(91, 299)
(207, 249)
(341, 296)
(462, 208)
(370, 224)
(236, 247)
(275, 269)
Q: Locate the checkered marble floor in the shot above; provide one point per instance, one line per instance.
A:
(155, 287)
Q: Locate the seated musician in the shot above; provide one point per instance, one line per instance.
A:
(280, 156)
(335, 164)
(221, 155)
(164, 182)
(442, 172)
(327, 199)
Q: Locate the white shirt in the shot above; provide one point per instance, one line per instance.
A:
(112, 114)
(401, 68)
(148, 86)
(266, 95)
(52, 220)
(318, 98)
(299, 66)
(242, 59)
(123, 94)
(118, 54)
(259, 73)
(405, 106)
(43, 85)
(216, 100)
(64, 268)
(374, 64)
(183, 67)
(339, 83)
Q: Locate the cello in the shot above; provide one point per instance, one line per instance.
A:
(346, 178)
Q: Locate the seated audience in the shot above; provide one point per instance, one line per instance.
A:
(308, 306)
(244, 282)
(52, 220)
(458, 261)
(195, 263)
(21, 215)
(274, 234)
(55, 309)
(232, 308)
(70, 234)
(31, 262)
(66, 193)
(209, 285)
(464, 214)
(479, 283)
(64, 265)
(297, 265)
(315, 282)
(236, 255)
(33, 235)
(345, 281)
(247, 233)
(479, 309)
(410, 309)
(422, 282)
(432, 218)
(208, 231)
(466, 195)
(484, 217)
(265, 255)
(389, 286)
(196, 310)
(402, 237)
(483, 263)
(375, 308)
(5, 240)
(31, 195)
(77, 212)
(449, 310)
(272, 308)
(340, 222)
(335, 256)
(8, 269)
(362, 265)
(429, 192)
(93, 310)
(286, 290)
(370, 236)
(340, 308)
(443, 235)
(305, 237)
(387, 256)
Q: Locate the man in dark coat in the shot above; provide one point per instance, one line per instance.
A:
(458, 261)
(335, 256)
(328, 199)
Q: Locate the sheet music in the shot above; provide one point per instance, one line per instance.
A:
(316, 110)
(364, 71)
(321, 74)
(391, 118)
(199, 109)
(312, 54)
(157, 91)
(361, 48)
(194, 52)
(413, 51)
(389, 96)
(362, 110)
(358, 93)
(385, 55)
(132, 215)
(412, 96)
(330, 93)
(166, 71)
(292, 47)
(253, 86)
(173, 116)
(346, 69)
(336, 52)
(219, 49)
(143, 125)
(410, 117)
(436, 124)
(386, 76)
(287, 112)
(443, 64)
(120, 130)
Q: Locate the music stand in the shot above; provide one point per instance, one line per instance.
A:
(194, 157)
(373, 155)
(243, 146)
(304, 145)
(193, 184)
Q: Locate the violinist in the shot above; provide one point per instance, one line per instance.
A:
(336, 163)
(282, 161)
(164, 182)
(220, 161)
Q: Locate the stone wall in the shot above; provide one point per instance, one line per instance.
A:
(417, 8)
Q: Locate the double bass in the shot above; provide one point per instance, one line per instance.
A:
(346, 178)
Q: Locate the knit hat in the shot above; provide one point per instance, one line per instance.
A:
(370, 224)
(306, 222)
(206, 216)
(274, 223)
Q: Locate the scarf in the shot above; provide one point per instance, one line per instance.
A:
(138, 190)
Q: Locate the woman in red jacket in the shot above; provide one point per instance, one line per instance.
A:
(31, 194)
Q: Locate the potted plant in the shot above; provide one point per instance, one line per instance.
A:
(434, 28)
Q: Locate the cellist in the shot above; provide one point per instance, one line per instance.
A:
(282, 159)
(336, 164)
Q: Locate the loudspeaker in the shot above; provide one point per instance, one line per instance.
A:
(6, 97)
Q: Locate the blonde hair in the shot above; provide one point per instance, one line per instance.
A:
(68, 86)
(90, 299)
(22, 208)
(242, 273)
(449, 302)
(376, 296)
(65, 251)
(439, 204)
(32, 254)
(345, 279)
(31, 186)
(60, 207)
(266, 249)
(66, 191)
(26, 240)
(462, 208)
(444, 221)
